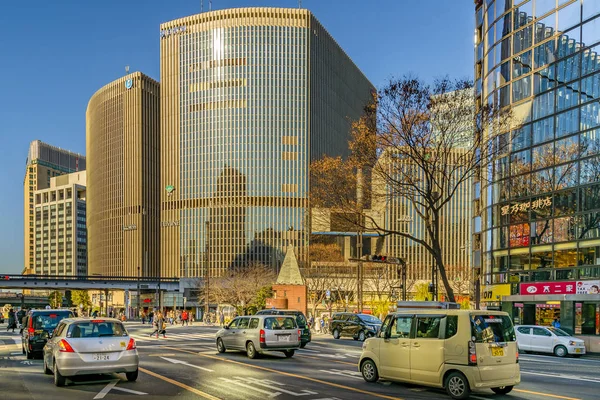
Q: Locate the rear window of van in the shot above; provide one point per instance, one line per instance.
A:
(279, 323)
(492, 328)
(48, 320)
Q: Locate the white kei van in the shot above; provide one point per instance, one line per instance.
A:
(459, 350)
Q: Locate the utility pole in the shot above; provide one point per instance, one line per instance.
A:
(359, 241)
(139, 305)
(207, 273)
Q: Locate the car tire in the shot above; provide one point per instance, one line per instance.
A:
(336, 334)
(220, 346)
(302, 345)
(457, 386)
(362, 336)
(502, 389)
(560, 351)
(132, 376)
(369, 372)
(59, 380)
(47, 370)
(289, 353)
(251, 350)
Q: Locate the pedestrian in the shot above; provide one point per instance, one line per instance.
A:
(143, 317)
(184, 317)
(221, 318)
(160, 326)
(151, 317)
(191, 319)
(311, 322)
(12, 320)
(556, 322)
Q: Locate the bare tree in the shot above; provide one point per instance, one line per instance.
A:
(242, 287)
(419, 143)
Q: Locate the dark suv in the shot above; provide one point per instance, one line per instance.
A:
(38, 326)
(358, 326)
(300, 320)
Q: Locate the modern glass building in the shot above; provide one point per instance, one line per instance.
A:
(122, 140)
(249, 97)
(537, 232)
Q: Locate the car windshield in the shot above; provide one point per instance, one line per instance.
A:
(278, 323)
(557, 332)
(369, 319)
(96, 328)
(48, 321)
(492, 328)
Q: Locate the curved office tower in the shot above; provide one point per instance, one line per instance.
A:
(249, 97)
(123, 214)
(539, 226)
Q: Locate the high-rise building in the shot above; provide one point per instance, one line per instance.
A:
(43, 162)
(122, 138)
(537, 236)
(249, 97)
(60, 229)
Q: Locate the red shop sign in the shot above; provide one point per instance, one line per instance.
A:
(537, 288)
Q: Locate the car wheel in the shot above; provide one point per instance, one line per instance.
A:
(289, 353)
(220, 346)
(457, 386)
(369, 371)
(362, 336)
(302, 345)
(132, 376)
(251, 350)
(336, 334)
(560, 351)
(59, 380)
(502, 389)
(47, 370)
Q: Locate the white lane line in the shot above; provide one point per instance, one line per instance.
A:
(270, 394)
(347, 374)
(106, 389)
(129, 391)
(174, 361)
(275, 386)
(561, 376)
(310, 351)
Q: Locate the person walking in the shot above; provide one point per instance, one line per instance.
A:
(556, 323)
(160, 326)
(184, 317)
(221, 318)
(143, 314)
(12, 320)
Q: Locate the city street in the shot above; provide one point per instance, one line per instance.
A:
(186, 365)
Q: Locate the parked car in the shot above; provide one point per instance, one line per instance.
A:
(258, 334)
(547, 339)
(459, 350)
(357, 326)
(80, 346)
(300, 321)
(37, 327)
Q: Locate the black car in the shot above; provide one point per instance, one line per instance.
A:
(305, 336)
(38, 326)
(357, 326)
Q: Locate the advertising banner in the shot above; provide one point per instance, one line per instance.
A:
(569, 287)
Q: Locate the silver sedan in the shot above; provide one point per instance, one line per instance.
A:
(82, 346)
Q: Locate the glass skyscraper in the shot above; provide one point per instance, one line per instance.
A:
(249, 97)
(537, 232)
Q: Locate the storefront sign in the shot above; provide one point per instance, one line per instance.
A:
(495, 292)
(170, 223)
(527, 205)
(575, 287)
(129, 227)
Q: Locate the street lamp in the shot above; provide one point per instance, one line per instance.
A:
(207, 273)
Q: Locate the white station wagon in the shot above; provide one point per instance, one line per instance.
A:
(547, 339)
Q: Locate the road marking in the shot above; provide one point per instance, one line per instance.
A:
(27, 362)
(270, 394)
(106, 389)
(16, 353)
(181, 385)
(174, 361)
(562, 376)
(545, 394)
(128, 390)
(335, 361)
(270, 385)
(347, 374)
(336, 385)
(161, 355)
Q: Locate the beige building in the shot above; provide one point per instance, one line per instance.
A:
(122, 139)
(249, 97)
(60, 231)
(43, 162)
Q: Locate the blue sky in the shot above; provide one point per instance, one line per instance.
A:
(56, 54)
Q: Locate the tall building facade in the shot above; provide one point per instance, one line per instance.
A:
(249, 97)
(43, 162)
(123, 147)
(60, 226)
(537, 234)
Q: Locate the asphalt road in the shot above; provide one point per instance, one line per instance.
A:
(186, 365)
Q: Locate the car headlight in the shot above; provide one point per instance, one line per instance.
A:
(572, 343)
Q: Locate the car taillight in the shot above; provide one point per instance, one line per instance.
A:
(31, 332)
(517, 356)
(131, 344)
(299, 334)
(262, 336)
(472, 354)
(65, 347)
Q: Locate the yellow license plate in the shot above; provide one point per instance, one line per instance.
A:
(577, 350)
(497, 351)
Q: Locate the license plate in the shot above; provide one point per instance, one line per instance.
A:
(577, 350)
(101, 357)
(283, 338)
(497, 352)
